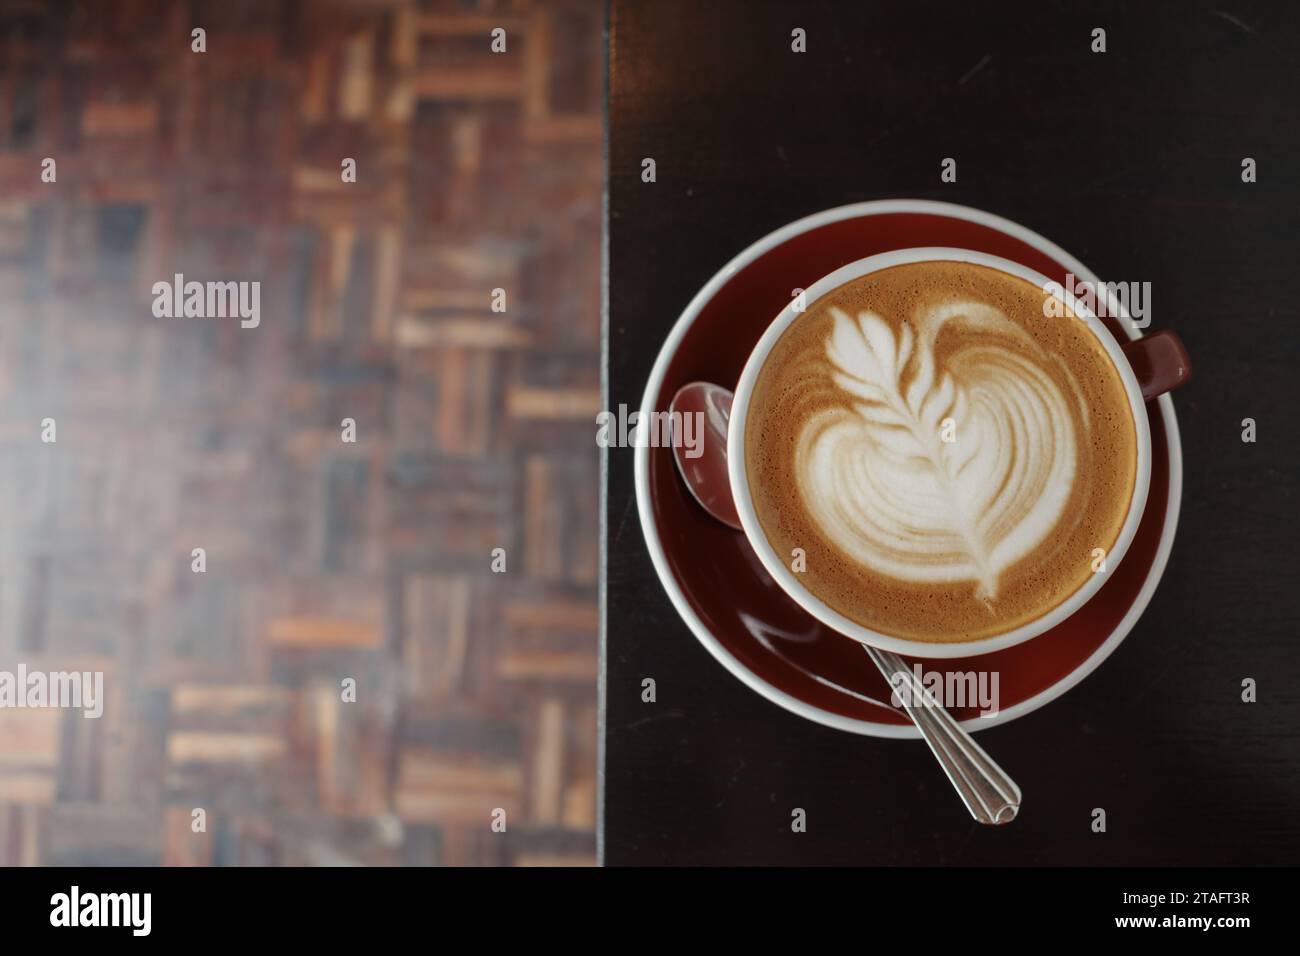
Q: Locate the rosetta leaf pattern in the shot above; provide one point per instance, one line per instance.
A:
(871, 363)
(891, 490)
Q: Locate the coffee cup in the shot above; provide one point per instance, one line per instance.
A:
(1024, 418)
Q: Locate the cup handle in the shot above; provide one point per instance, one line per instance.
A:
(1159, 361)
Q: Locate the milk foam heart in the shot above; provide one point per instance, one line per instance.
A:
(940, 470)
(937, 456)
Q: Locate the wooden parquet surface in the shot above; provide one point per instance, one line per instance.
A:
(476, 171)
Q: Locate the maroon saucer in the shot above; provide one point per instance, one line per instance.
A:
(717, 582)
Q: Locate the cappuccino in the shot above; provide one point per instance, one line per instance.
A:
(951, 461)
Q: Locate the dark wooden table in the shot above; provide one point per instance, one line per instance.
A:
(1129, 159)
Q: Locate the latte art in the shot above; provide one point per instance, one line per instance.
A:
(941, 458)
(883, 484)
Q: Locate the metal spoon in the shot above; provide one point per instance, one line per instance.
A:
(989, 794)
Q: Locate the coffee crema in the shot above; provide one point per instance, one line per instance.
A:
(947, 456)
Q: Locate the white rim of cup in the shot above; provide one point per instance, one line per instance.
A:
(790, 582)
(654, 545)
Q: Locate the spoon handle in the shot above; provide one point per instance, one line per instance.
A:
(989, 794)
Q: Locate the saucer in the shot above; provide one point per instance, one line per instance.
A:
(714, 578)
